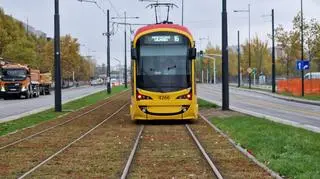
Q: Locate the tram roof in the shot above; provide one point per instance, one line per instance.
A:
(155, 27)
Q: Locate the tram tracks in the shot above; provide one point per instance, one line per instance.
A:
(187, 151)
(140, 167)
(21, 139)
(17, 158)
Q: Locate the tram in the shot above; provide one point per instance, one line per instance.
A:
(163, 74)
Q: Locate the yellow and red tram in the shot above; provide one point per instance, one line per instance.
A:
(163, 74)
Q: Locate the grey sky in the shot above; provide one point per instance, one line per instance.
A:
(203, 17)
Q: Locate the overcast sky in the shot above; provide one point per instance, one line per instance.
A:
(203, 17)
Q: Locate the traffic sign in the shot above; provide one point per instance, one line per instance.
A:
(302, 65)
(249, 70)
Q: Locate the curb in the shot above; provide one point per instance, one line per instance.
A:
(242, 150)
(270, 118)
(316, 103)
(11, 118)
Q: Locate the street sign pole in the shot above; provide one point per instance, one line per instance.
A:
(225, 58)
(57, 91)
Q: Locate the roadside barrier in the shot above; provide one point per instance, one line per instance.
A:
(293, 86)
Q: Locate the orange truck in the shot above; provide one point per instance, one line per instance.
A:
(45, 83)
(18, 81)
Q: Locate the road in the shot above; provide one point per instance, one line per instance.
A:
(288, 112)
(11, 109)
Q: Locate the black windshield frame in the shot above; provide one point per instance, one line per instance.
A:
(163, 67)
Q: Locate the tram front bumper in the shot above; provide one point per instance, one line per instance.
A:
(174, 112)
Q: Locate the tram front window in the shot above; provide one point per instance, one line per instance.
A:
(163, 67)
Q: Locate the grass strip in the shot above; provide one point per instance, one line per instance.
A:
(206, 104)
(307, 96)
(31, 120)
(292, 152)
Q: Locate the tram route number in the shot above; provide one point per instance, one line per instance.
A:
(164, 97)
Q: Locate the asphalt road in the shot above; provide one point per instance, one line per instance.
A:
(303, 115)
(10, 109)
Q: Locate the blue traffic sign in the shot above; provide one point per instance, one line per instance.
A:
(302, 65)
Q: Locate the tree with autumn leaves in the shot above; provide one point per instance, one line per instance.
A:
(18, 46)
(288, 46)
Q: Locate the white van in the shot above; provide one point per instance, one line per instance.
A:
(312, 75)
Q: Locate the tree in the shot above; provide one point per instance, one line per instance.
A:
(260, 56)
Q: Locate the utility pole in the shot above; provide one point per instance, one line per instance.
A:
(225, 58)
(57, 91)
(125, 44)
(249, 44)
(302, 41)
(239, 73)
(273, 56)
(108, 53)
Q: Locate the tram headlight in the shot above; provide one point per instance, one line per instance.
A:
(186, 96)
(142, 97)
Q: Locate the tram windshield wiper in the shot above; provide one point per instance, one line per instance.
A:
(172, 67)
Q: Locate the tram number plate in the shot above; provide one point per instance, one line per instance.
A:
(164, 97)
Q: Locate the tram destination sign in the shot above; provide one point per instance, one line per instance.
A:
(163, 39)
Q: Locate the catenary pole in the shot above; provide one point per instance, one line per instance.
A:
(302, 58)
(108, 53)
(239, 72)
(225, 58)
(57, 91)
(273, 56)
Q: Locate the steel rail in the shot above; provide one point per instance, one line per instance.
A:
(58, 125)
(204, 153)
(242, 150)
(67, 146)
(133, 151)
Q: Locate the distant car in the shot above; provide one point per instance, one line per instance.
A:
(312, 75)
(96, 82)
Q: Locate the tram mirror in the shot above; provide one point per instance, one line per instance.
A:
(192, 53)
(133, 53)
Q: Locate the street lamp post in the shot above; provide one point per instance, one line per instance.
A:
(249, 44)
(57, 91)
(210, 56)
(125, 44)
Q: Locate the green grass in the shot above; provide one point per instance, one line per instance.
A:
(31, 120)
(309, 97)
(205, 104)
(290, 151)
